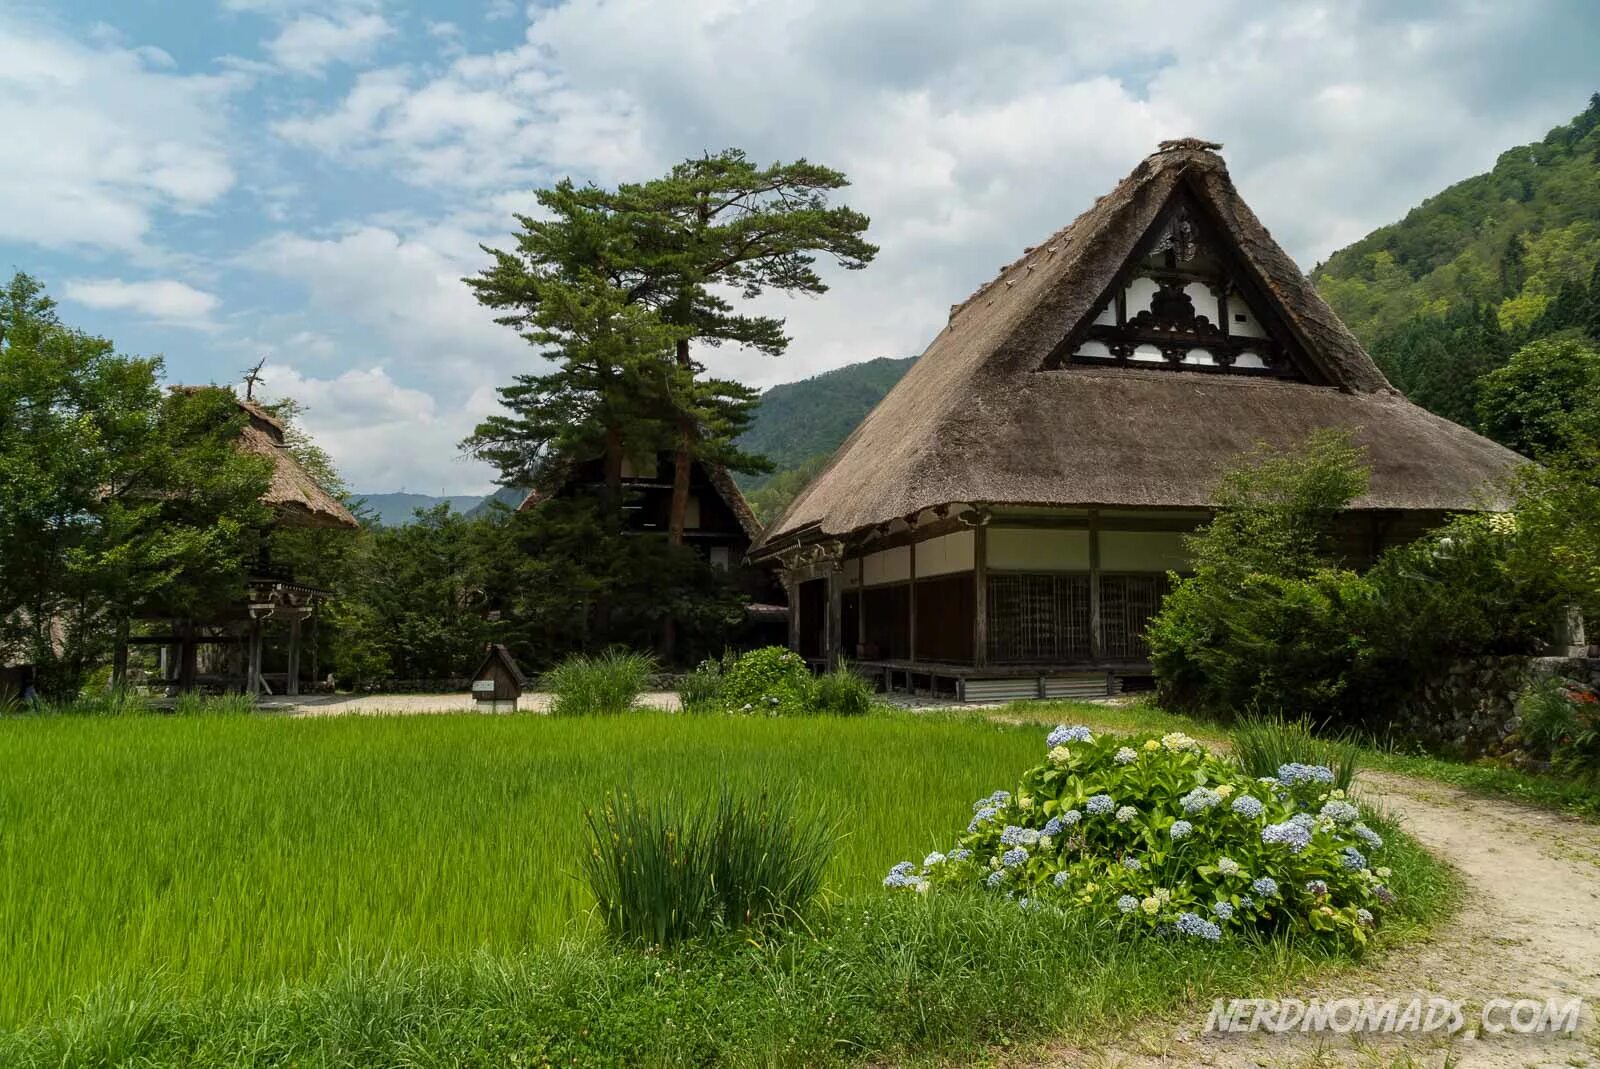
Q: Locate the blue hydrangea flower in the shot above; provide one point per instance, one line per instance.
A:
(1012, 835)
(1063, 735)
(960, 855)
(983, 816)
(1181, 829)
(1071, 817)
(933, 859)
(1353, 859)
(996, 878)
(1100, 805)
(1384, 895)
(1199, 800)
(1246, 902)
(1289, 834)
(1247, 805)
(1051, 827)
(1060, 879)
(1227, 866)
(1296, 774)
(1132, 864)
(1014, 857)
(1368, 836)
(1127, 755)
(1304, 820)
(1126, 814)
(902, 875)
(1195, 925)
(1364, 916)
(1317, 887)
(1127, 903)
(1265, 886)
(1340, 812)
(1223, 910)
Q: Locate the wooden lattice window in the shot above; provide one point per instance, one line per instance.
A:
(1038, 618)
(1127, 602)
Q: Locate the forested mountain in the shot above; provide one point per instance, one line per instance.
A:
(798, 420)
(394, 510)
(1472, 274)
(798, 425)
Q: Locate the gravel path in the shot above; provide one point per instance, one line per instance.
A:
(405, 704)
(1529, 928)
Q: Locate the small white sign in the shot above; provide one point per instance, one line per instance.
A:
(483, 686)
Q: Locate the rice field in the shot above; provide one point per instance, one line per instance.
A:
(236, 852)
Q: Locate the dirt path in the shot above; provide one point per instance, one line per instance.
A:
(1529, 928)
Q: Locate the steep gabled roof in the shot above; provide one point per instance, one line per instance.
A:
(296, 498)
(980, 419)
(717, 475)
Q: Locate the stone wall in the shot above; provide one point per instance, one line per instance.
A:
(1469, 711)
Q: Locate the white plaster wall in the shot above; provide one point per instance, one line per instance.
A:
(888, 566)
(1018, 548)
(1251, 327)
(1142, 551)
(945, 554)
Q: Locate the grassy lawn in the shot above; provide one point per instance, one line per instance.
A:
(231, 890)
(243, 850)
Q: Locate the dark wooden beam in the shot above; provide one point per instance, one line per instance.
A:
(980, 595)
(1096, 636)
(911, 602)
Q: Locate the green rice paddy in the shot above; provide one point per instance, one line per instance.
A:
(236, 852)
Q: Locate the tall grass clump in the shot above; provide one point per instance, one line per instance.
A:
(842, 692)
(591, 686)
(1264, 744)
(701, 690)
(667, 871)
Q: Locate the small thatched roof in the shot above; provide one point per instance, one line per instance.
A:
(292, 493)
(976, 419)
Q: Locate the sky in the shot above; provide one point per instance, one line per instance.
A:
(309, 180)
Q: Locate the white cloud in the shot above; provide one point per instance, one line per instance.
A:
(309, 43)
(162, 300)
(383, 436)
(103, 139)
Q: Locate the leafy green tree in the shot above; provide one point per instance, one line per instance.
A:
(676, 245)
(1545, 403)
(115, 497)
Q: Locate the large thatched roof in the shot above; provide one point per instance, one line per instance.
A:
(718, 476)
(293, 494)
(977, 420)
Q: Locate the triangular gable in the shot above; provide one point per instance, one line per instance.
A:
(1187, 299)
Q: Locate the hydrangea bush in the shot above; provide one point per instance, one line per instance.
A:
(771, 681)
(1157, 834)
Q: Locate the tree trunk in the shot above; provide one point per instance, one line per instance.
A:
(682, 462)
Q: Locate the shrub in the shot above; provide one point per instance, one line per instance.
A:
(1156, 835)
(609, 683)
(667, 872)
(701, 690)
(1264, 744)
(770, 680)
(842, 692)
(1560, 723)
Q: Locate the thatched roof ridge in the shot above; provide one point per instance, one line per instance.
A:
(975, 420)
(296, 498)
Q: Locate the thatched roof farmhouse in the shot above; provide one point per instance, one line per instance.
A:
(1003, 521)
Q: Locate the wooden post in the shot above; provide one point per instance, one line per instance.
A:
(1096, 636)
(253, 679)
(980, 595)
(861, 605)
(188, 659)
(911, 609)
(316, 652)
(835, 632)
(291, 685)
(791, 586)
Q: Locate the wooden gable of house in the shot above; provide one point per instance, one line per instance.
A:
(1186, 299)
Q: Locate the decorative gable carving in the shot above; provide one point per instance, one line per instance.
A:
(1186, 302)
